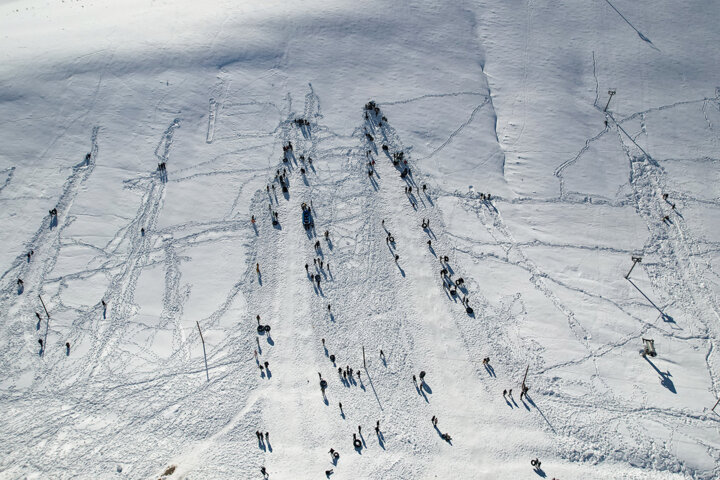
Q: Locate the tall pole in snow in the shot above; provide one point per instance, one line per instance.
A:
(364, 364)
(525, 377)
(44, 307)
(204, 353)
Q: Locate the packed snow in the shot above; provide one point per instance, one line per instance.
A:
(160, 133)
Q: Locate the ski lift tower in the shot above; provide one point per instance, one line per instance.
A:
(649, 348)
(635, 259)
(611, 93)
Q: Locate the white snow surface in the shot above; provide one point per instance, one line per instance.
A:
(482, 96)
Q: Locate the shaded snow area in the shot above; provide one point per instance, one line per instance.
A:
(158, 130)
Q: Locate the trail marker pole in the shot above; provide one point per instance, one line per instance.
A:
(204, 353)
(635, 261)
(364, 364)
(611, 93)
(44, 307)
(525, 377)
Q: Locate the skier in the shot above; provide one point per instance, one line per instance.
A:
(429, 243)
(317, 280)
(252, 219)
(257, 268)
(267, 434)
(432, 420)
(264, 472)
(40, 342)
(359, 430)
(328, 307)
(327, 234)
(340, 404)
(67, 346)
(504, 393)
(328, 472)
(306, 267)
(397, 257)
(267, 365)
(424, 187)
(414, 380)
(382, 355)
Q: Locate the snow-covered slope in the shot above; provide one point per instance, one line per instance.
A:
(505, 98)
